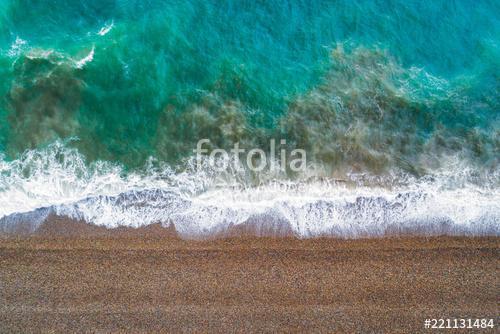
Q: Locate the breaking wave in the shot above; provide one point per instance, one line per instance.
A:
(206, 203)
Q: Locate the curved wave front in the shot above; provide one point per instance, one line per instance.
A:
(206, 204)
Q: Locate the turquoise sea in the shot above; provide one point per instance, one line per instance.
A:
(396, 104)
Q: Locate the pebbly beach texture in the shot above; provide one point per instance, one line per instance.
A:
(76, 278)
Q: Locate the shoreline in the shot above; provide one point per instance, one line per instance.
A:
(160, 283)
(54, 226)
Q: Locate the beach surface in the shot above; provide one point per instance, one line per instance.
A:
(148, 280)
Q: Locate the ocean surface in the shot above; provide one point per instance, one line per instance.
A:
(396, 104)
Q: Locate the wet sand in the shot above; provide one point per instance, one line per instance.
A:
(151, 281)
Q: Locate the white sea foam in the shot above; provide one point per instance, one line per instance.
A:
(57, 181)
(17, 47)
(87, 59)
(107, 28)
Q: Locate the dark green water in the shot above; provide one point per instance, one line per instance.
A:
(370, 84)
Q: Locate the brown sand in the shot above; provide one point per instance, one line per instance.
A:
(150, 281)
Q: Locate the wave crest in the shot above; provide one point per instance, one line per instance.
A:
(206, 203)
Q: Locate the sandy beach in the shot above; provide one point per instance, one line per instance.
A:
(148, 280)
